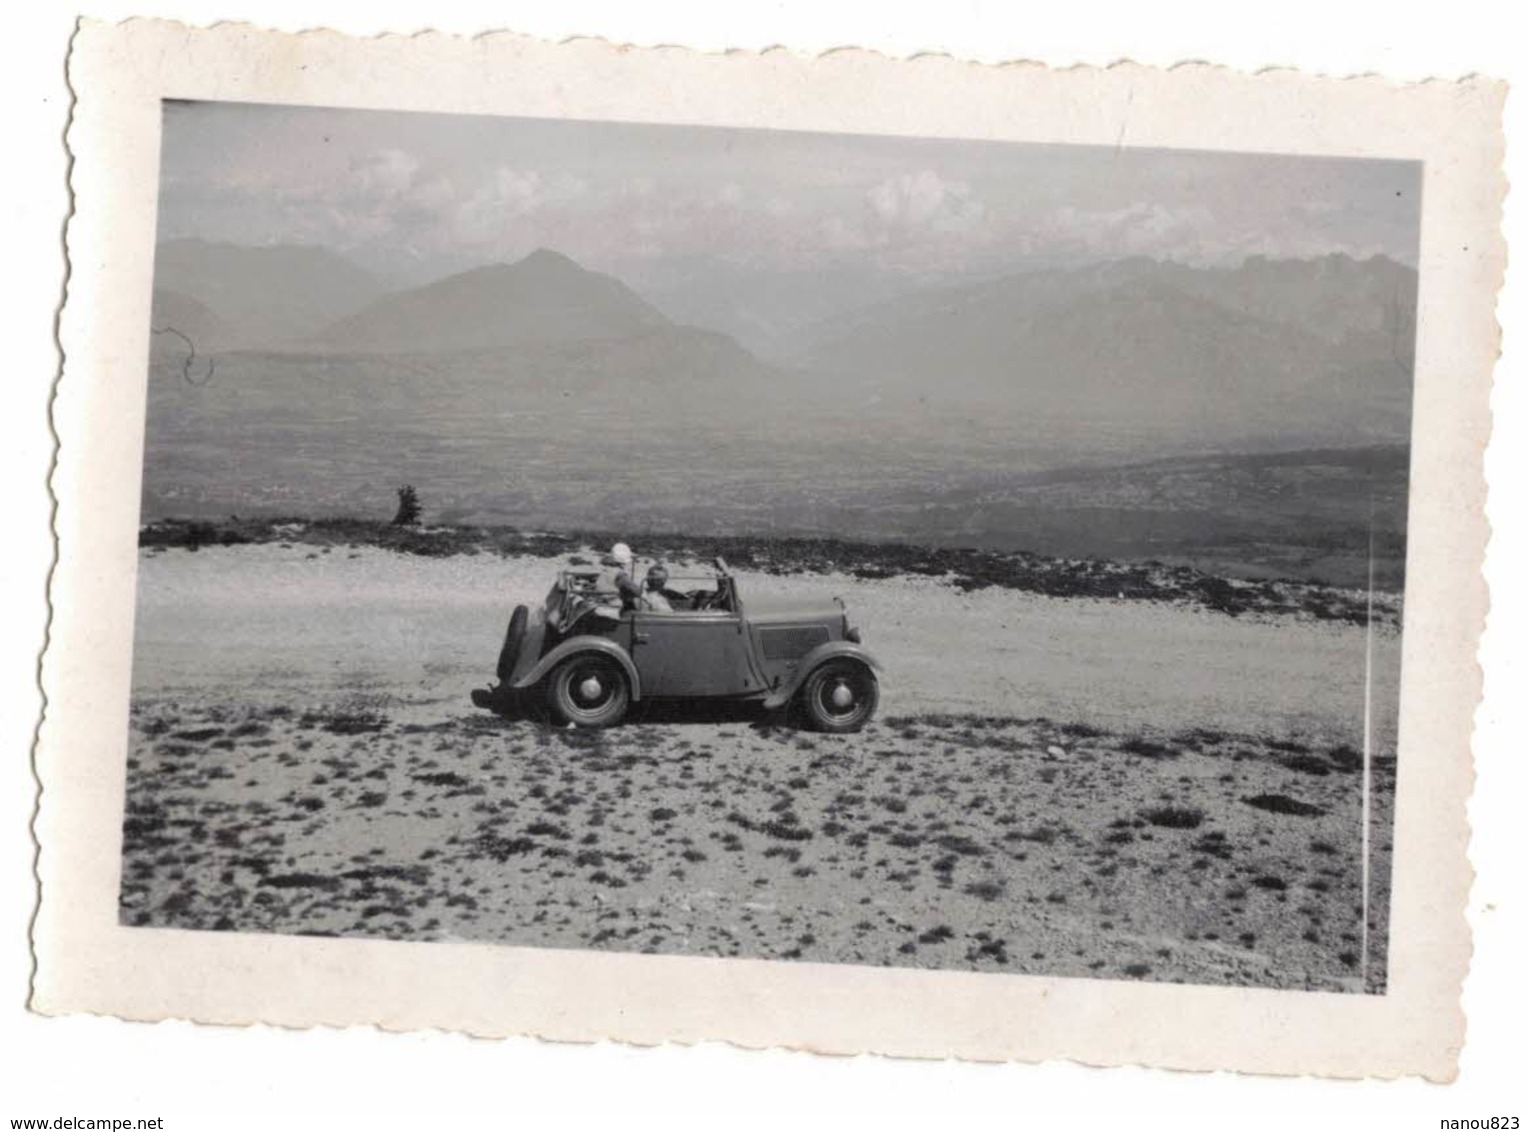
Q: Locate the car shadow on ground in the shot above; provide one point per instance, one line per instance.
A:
(529, 708)
(691, 711)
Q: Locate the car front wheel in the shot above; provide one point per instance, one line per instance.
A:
(840, 696)
(588, 691)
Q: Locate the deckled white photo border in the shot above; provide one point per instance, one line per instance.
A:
(88, 962)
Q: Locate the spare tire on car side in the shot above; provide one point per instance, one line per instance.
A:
(514, 641)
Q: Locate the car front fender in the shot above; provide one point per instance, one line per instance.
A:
(576, 645)
(830, 650)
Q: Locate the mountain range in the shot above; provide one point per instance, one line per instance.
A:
(1269, 346)
(240, 297)
(1286, 351)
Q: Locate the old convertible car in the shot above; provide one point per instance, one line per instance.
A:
(589, 660)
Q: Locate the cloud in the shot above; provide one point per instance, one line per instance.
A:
(481, 216)
(923, 200)
(911, 221)
(383, 174)
(517, 191)
(1191, 234)
(524, 191)
(389, 194)
(1143, 228)
(483, 189)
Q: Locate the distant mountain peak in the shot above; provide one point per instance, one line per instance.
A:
(548, 258)
(542, 264)
(545, 297)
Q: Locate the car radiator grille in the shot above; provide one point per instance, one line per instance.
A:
(793, 643)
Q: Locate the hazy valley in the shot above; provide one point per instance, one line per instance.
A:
(1251, 419)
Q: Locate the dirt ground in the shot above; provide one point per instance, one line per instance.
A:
(1053, 786)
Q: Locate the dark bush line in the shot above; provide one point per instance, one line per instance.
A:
(1283, 804)
(784, 828)
(1148, 749)
(301, 880)
(1175, 817)
(965, 568)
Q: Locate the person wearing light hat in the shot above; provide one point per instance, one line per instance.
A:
(625, 585)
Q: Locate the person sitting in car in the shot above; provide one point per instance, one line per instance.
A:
(617, 577)
(654, 596)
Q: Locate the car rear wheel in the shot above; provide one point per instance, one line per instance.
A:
(588, 691)
(514, 641)
(839, 696)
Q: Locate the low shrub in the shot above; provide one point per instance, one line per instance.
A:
(1282, 804)
(1174, 817)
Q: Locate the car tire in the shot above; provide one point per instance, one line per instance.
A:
(588, 690)
(514, 641)
(839, 696)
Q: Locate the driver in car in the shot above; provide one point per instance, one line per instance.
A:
(654, 595)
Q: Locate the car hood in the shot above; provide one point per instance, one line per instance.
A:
(787, 607)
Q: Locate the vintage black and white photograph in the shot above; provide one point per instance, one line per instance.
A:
(743, 543)
(828, 554)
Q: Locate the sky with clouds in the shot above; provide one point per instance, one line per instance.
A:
(400, 190)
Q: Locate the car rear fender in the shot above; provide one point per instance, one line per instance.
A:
(831, 650)
(574, 645)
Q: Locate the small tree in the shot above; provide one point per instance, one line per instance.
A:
(408, 507)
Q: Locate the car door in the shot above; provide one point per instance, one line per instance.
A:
(682, 654)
